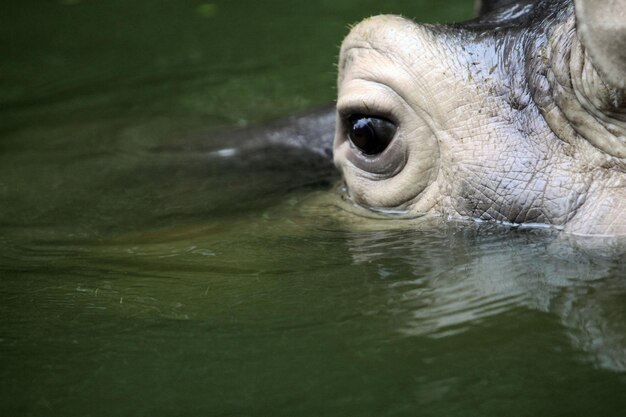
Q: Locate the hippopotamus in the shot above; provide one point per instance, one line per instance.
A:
(517, 116)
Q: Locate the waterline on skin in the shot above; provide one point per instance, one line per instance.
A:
(544, 226)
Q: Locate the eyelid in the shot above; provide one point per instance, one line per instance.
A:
(347, 113)
(357, 106)
(374, 117)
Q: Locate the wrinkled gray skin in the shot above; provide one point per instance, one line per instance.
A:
(518, 116)
(511, 117)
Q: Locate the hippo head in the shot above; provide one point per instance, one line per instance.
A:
(518, 116)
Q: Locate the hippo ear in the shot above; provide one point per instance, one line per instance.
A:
(602, 30)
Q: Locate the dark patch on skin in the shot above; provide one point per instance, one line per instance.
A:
(518, 102)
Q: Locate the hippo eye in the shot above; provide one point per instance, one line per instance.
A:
(371, 135)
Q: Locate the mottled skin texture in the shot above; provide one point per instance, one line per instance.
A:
(507, 118)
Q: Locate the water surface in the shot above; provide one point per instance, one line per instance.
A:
(146, 269)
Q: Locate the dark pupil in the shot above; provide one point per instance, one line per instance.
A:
(370, 134)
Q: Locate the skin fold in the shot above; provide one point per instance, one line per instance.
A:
(518, 116)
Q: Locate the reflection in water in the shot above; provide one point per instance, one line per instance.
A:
(303, 300)
(476, 272)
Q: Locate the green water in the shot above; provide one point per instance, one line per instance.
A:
(142, 274)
